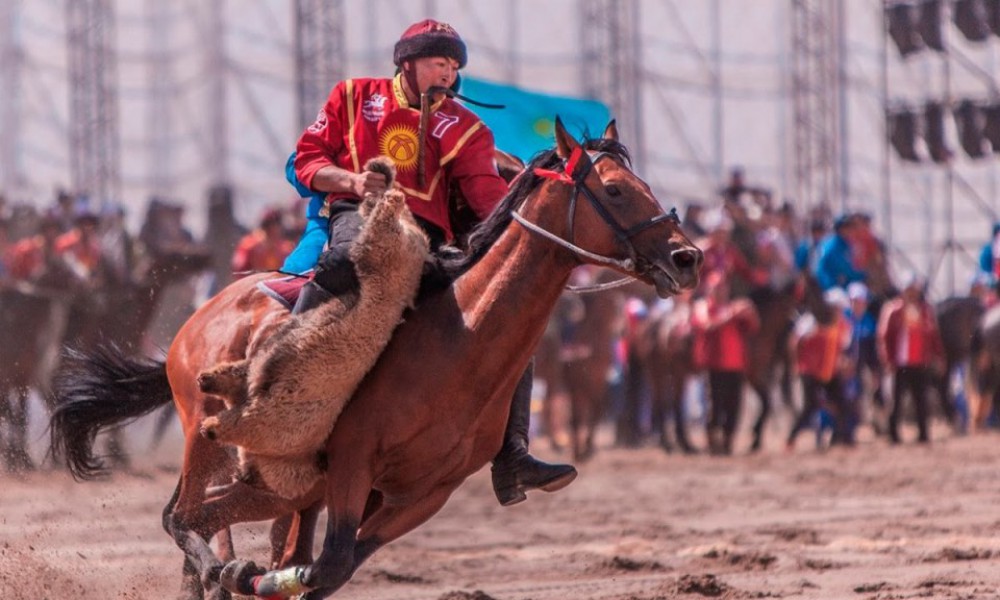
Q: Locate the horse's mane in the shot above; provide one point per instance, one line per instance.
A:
(449, 263)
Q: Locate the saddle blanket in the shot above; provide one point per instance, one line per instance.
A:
(286, 290)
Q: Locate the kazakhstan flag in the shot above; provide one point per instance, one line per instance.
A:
(527, 125)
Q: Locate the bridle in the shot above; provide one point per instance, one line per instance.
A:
(574, 172)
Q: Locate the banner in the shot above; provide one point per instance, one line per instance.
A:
(527, 125)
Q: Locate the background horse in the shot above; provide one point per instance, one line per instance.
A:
(983, 379)
(549, 367)
(32, 322)
(30, 312)
(589, 352)
(667, 362)
(118, 312)
(767, 350)
(957, 319)
(393, 460)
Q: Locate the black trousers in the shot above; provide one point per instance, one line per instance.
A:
(335, 271)
(813, 392)
(915, 381)
(726, 393)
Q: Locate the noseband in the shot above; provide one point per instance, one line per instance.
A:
(574, 172)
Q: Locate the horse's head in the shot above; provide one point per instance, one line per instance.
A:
(606, 215)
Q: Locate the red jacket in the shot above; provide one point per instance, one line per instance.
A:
(818, 350)
(364, 118)
(908, 335)
(26, 258)
(721, 333)
(255, 252)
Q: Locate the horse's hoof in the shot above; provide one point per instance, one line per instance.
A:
(237, 576)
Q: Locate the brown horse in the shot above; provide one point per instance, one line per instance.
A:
(433, 409)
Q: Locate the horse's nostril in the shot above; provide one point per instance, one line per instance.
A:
(684, 259)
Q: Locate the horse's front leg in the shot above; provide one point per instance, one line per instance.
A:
(347, 496)
(348, 489)
(386, 524)
(196, 515)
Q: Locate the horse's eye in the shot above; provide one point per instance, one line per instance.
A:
(613, 190)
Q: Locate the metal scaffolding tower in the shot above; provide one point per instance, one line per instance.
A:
(161, 88)
(320, 54)
(11, 63)
(817, 102)
(217, 73)
(93, 92)
(611, 65)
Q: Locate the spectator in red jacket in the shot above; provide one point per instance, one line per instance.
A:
(263, 249)
(722, 326)
(910, 346)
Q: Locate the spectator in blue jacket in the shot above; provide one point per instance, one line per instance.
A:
(807, 252)
(834, 265)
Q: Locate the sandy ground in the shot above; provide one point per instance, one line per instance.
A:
(875, 522)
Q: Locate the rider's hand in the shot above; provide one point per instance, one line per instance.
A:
(368, 182)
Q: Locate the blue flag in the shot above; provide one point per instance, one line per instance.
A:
(527, 125)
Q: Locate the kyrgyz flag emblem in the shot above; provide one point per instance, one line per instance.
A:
(399, 143)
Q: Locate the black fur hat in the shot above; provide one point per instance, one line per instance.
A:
(430, 38)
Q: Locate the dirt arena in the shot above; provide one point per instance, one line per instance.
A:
(875, 522)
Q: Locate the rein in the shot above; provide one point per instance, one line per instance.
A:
(574, 172)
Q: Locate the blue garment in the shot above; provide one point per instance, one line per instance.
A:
(833, 266)
(805, 256)
(863, 327)
(305, 255)
(313, 240)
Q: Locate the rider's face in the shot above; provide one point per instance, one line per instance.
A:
(434, 70)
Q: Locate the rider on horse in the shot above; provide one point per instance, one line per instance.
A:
(364, 118)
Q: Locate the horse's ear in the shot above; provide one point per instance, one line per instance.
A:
(565, 143)
(611, 131)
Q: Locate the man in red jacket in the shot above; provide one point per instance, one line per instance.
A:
(364, 118)
(910, 346)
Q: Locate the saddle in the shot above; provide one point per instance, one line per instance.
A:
(286, 290)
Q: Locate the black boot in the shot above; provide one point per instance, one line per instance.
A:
(311, 296)
(514, 470)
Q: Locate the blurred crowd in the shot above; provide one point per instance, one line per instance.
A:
(77, 251)
(800, 304)
(803, 305)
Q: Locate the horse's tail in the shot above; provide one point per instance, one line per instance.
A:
(97, 390)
